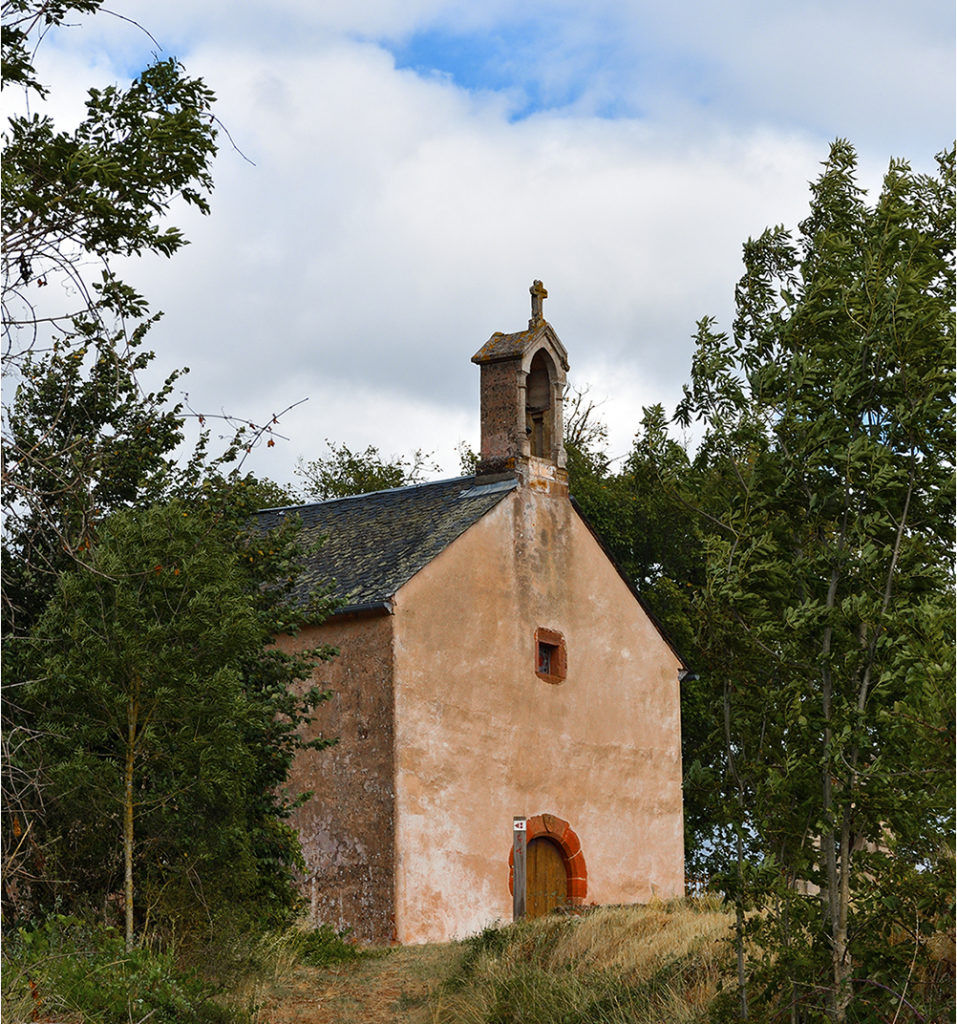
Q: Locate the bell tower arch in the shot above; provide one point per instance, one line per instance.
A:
(539, 406)
(522, 391)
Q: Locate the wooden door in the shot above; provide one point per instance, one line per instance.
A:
(547, 879)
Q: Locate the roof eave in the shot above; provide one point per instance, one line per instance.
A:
(363, 610)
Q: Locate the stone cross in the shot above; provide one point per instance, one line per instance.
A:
(538, 293)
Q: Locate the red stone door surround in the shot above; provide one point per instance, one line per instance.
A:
(564, 836)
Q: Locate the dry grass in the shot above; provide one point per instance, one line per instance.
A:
(268, 961)
(388, 989)
(612, 965)
(637, 941)
(609, 965)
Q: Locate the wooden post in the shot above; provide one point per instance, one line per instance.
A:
(519, 835)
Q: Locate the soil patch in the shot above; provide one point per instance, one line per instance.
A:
(389, 989)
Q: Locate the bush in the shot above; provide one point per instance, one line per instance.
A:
(325, 946)
(68, 968)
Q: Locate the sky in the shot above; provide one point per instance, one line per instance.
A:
(398, 172)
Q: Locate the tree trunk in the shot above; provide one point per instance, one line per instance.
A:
(836, 1006)
(840, 953)
(739, 903)
(739, 944)
(840, 877)
(131, 710)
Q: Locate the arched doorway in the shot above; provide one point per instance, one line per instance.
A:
(546, 875)
(555, 872)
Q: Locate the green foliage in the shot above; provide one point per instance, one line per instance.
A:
(24, 19)
(825, 619)
(640, 517)
(81, 436)
(99, 191)
(324, 946)
(145, 707)
(344, 472)
(468, 459)
(80, 439)
(156, 691)
(64, 967)
(641, 509)
(802, 563)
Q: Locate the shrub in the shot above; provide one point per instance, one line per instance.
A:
(325, 946)
(66, 967)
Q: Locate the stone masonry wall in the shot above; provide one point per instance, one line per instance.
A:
(346, 826)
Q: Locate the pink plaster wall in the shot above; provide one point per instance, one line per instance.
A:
(480, 738)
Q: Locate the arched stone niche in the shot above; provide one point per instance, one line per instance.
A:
(539, 407)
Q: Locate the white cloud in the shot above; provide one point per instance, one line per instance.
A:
(392, 222)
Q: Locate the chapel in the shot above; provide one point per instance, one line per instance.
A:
(494, 663)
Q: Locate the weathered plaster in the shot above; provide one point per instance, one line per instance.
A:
(480, 738)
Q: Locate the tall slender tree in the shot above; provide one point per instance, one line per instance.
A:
(826, 616)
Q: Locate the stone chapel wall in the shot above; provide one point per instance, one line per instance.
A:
(481, 736)
(346, 827)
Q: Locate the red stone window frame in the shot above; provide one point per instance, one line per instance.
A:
(561, 833)
(551, 659)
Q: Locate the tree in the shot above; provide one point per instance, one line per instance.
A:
(344, 472)
(95, 193)
(166, 720)
(635, 511)
(80, 437)
(826, 613)
(86, 452)
(642, 508)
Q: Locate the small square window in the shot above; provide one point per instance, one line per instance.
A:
(550, 658)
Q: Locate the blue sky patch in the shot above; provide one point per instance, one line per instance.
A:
(513, 58)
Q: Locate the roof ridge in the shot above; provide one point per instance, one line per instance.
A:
(369, 494)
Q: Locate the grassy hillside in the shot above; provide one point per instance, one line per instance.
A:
(611, 965)
(665, 962)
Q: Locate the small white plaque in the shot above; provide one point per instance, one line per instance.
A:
(519, 824)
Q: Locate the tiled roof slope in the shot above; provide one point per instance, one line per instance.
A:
(376, 542)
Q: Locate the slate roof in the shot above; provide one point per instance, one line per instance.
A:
(375, 543)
